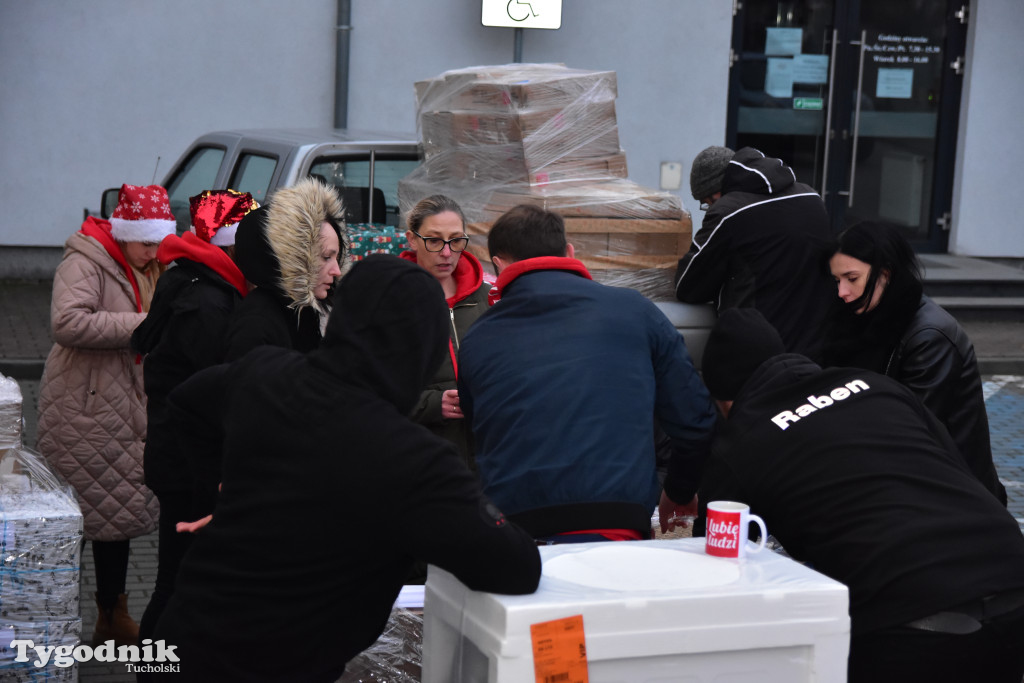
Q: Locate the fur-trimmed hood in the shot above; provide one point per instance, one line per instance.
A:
(293, 220)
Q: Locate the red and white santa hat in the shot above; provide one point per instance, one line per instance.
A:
(216, 214)
(143, 214)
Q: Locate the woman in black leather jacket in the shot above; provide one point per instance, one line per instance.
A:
(886, 324)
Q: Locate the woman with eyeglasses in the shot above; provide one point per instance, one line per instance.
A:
(437, 242)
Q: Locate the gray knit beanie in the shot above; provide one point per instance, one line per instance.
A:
(708, 170)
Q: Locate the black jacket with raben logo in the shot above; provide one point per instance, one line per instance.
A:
(853, 475)
(764, 245)
(329, 491)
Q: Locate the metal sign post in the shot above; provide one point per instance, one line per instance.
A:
(520, 14)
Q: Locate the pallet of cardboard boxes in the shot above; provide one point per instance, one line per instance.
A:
(547, 135)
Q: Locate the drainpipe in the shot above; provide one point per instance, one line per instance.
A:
(343, 30)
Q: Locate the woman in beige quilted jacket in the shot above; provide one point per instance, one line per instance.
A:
(92, 411)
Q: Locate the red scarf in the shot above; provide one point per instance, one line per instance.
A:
(99, 230)
(530, 265)
(195, 249)
(468, 276)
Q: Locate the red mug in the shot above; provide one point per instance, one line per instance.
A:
(726, 533)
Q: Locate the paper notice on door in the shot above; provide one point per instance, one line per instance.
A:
(810, 69)
(895, 83)
(778, 79)
(783, 41)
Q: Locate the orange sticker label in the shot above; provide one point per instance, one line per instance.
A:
(560, 651)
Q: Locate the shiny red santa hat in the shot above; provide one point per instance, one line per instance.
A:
(216, 214)
(143, 214)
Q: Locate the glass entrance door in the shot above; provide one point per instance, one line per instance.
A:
(860, 98)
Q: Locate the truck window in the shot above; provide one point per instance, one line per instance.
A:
(198, 173)
(253, 174)
(352, 176)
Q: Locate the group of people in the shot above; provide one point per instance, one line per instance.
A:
(854, 423)
(294, 414)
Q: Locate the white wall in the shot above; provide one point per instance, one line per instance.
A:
(91, 93)
(672, 64)
(671, 59)
(987, 221)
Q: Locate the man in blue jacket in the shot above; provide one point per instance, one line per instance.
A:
(563, 380)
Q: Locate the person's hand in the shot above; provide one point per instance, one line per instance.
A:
(671, 514)
(192, 527)
(450, 409)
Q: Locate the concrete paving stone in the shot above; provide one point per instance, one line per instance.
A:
(25, 319)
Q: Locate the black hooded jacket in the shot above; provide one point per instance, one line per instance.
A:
(266, 316)
(182, 334)
(910, 338)
(764, 244)
(853, 475)
(329, 491)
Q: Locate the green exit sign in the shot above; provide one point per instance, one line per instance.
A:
(808, 103)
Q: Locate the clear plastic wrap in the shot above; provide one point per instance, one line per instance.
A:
(40, 563)
(10, 414)
(545, 134)
(397, 655)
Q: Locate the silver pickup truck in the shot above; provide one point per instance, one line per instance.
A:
(361, 164)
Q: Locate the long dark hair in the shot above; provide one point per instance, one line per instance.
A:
(882, 247)
(867, 339)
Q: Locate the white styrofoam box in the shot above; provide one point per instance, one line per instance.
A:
(653, 611)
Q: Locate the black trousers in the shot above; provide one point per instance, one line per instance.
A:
(175, 506)
(111, 560)
(994, 654)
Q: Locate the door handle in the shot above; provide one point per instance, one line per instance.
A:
(828, 112)
(856, 115)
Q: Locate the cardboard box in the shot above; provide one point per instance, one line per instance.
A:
(506, 165)
(514, 86)
(577, 171)
(603, 243)
(651, 611)
(443, 129)
(609, 199)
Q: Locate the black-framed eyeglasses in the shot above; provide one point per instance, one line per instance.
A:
(456, 244)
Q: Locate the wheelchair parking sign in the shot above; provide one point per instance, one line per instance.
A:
(522, 13)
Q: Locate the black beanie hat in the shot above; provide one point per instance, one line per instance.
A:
(738, 344)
